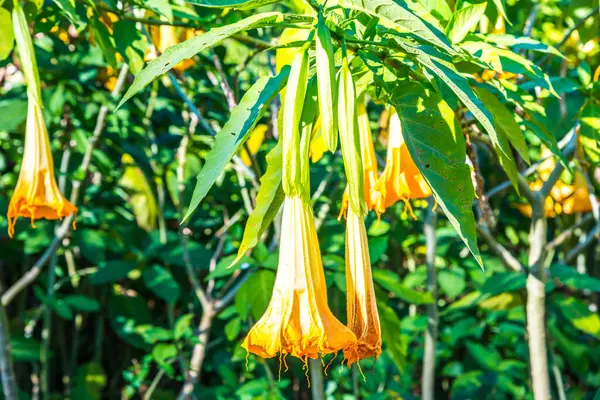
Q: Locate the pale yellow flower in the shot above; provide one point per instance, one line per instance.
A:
(401, 179)
(36, 194)
(298, 320)
(363, 318)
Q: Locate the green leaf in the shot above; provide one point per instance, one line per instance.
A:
(268, 202)
(131, 44)
(399, 16)
(438, 8)
(25, 349)
(436, 144)
(183, 326)
(160, 281)
(486, 356)
(522, 43)
(162, 352)
(88, 382)
(395, 344)
(452, 281)
(389, 281)
(505, 122)
(126, 313)
(104, 40)
(162, 7)
(7, 37)
(443, 68)
(68, 7)
(232, 329)
(12, 113)
(242, 120)
(82, 303)
(463, 21)
(254, 294)
(570, 277)
(578, 313)
(185, 50)
(501, 8)
(112, 271)
(239, 4)
(506, 128)
(503, 282)
(590, 121)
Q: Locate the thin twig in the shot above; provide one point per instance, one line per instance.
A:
(504, 254)
(592, 236)
(564, 235)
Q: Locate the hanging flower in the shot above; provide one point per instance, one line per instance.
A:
(401, 179)
(165, 36)
(36, 195)
(363, 318)
(369, 161)
(298, 320)
(564, 198)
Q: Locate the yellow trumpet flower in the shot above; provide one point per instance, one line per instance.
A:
(298, 320)
(401, 179)
(165, 36)
(369, 161)
(564, 198)
(363, 318)
(36, 194)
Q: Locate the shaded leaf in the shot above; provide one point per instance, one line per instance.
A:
(242, 120)
(464, 20)
(268, 202)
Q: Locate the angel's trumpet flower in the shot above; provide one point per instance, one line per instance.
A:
(363, 318)
(401, 179)
(298, 320)
(36, 194)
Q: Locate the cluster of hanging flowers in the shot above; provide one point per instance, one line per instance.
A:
(36, 194)
(298, 320)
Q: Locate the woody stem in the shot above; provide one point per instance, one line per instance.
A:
(428, 377)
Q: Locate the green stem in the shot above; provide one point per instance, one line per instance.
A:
(46, 331)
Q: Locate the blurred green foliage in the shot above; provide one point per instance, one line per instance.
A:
(115, 315)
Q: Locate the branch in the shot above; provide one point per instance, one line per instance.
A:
(65, 227)
(571, 140)
(591, 237)
(502, 252)
(560, 239)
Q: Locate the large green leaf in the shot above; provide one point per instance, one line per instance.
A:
(268, 201)
(239, 4)
(395, 343)
(242, 120)
(508, 133)
(442, 67)
(436, 144)
(254, 294)
(185, 50)
(463, 21)
(400, 16)
(7, 37)
(390, 281)
(160, 281)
